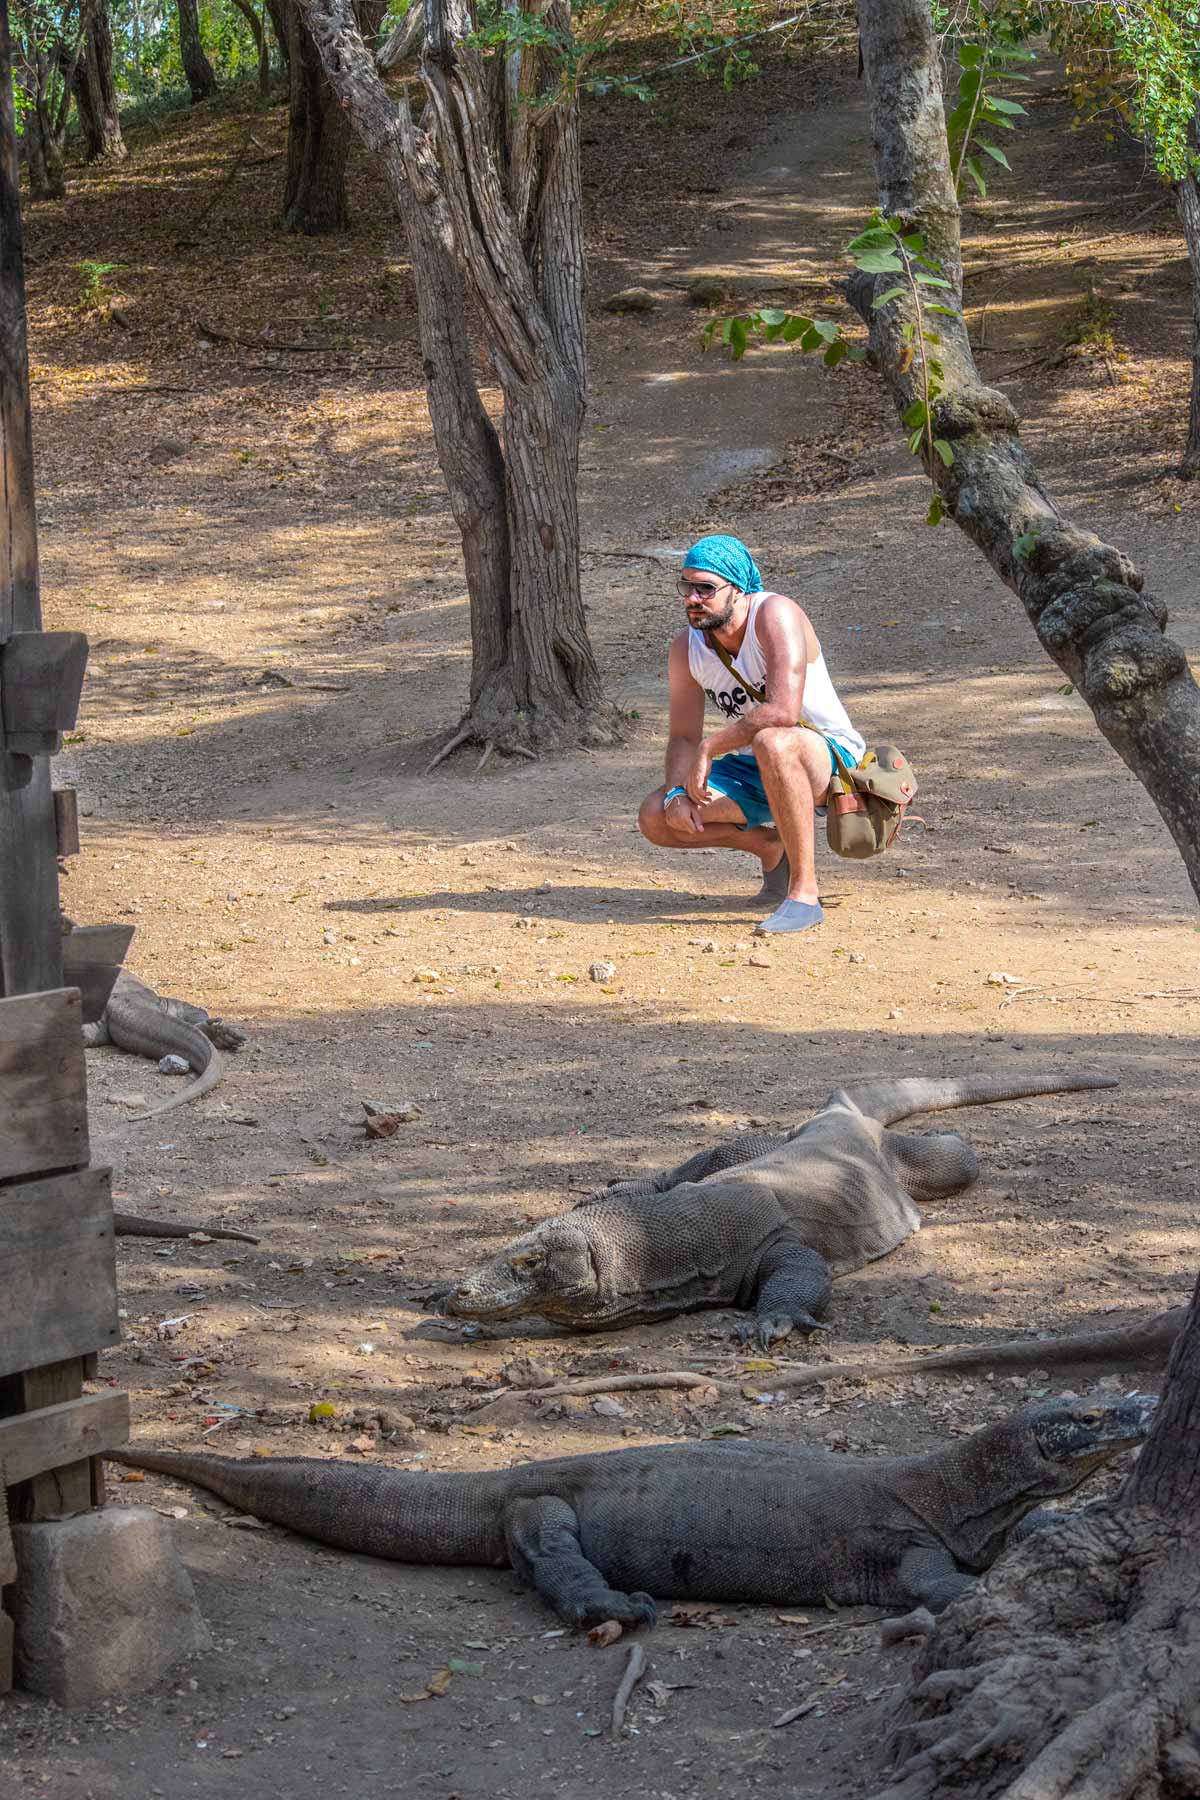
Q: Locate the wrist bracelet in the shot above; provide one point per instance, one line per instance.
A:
(673, 794)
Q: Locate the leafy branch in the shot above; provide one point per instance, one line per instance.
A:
(884, 248)
(979, 108)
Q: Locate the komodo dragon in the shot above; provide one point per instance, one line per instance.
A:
(138, 1019)
(762, 1223)
(773, 1524)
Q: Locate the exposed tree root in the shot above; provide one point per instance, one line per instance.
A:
(504, 732)
(1072, 1672)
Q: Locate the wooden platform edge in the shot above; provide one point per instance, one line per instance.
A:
(33, 1443)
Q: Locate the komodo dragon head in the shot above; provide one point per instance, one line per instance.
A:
(551, 1270)
(986, 1483)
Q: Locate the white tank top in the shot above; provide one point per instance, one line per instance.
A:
(822, 708)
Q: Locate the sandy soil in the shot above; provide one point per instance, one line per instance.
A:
(258, 544)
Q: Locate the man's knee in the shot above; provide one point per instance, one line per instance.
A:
(652, 821)
(779, 746)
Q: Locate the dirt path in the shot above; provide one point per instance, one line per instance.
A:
(385, 935)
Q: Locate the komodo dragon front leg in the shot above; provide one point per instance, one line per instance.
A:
(742, 1149)
(542, 1537)
(793, 1282)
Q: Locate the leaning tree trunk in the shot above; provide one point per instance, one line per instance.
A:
(43, 146)
(277, 11)
(1187, 197)
(1083, 597)
(1072, 1672)
(318, 145)
(96, 90)
(503, 195)
(202, 83)
(258, 33)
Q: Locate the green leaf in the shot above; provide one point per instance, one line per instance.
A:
(879, 262)
(997, 154)
(1004, 106)
(812, 339)
(771, 315)
(893, 293)
(968, 87)
(856, 353)
(937, 511)
(828, 329)
(795, 328)
(878, 237)
(970, 56)
(976, 174)
(944, 450)
(739, 336)
(913, 414)
(950, 311)
(930, 280)
(912, 240)
(726, 330)
(835, 353)
(916, 440)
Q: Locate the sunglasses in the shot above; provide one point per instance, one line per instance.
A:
(703, 590)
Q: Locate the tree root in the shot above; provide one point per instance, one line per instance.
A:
(1070, 1673)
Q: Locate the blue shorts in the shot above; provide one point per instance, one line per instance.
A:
(738, 779)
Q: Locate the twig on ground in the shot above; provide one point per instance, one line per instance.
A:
(635, 1668)
(223, 336)
(631, 555)
(624, 1384)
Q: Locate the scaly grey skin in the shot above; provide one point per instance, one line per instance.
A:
(762, 1224)
(600, 1537)
(129, 1225)
(137, 1019)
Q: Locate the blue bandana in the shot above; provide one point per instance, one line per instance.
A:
(726, 556)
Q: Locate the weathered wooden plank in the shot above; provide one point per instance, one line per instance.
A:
(66, 1488)
(8, 1560)
(66, 821)
(6, 1653)
(92, 957)
(56, 1251)
(43, 1087)
(30, 939)
(41, 679)
(35, 1443)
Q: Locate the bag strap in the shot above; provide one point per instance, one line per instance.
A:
(756, 693)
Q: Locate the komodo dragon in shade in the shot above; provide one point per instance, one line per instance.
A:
(775, 1524)
(138, 1019)
(762, 1223)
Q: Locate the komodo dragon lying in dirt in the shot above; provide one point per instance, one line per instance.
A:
(137, 1019)
(772, 1524)
(762, 1223)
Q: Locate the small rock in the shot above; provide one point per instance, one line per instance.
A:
(383, 1118)
(329, 937)
(174, 1065)
(706, 290)
(130, 1099)
(759, 961)
(523, 1372)
(897, 1012)
(856, 956)
(633, 299)
(362, 1446)
(707, 946)
(602, 971)
(608, 1409)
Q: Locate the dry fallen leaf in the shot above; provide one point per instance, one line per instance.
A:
(132, 1475)
(435, 1688)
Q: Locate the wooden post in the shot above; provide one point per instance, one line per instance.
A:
(30, 929)
(30, 938)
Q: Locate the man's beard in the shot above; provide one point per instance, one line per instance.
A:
(711, 621)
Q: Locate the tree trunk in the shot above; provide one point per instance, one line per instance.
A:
(47, 180)
(277, 11)
(96, 91)
(196, 67)
(1072, 1671)
(1187, 196)
(314, 196)
(246, 8)
(1083, 597)
(503, 196)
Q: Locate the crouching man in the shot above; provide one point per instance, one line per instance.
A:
(757, 781)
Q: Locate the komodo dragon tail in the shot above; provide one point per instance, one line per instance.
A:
(890, 1101)
(130, 1225)
(136, 1022)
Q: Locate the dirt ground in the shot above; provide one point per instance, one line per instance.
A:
(258, 544)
